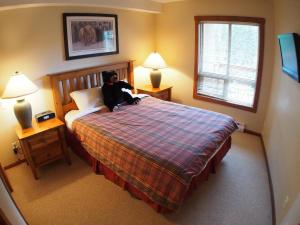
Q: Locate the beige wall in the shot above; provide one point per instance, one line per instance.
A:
(175, 42)
(31, 41)
(281, 130)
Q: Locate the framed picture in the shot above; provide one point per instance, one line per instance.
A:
(90, 35)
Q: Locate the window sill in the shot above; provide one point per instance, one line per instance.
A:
(223, 102)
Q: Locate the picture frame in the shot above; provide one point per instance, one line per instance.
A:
(90, 35)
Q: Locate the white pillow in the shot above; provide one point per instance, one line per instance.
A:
(87, 98)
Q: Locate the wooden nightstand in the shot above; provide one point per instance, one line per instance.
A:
(163, 92)
(43, 143)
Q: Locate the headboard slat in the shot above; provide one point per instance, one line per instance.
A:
(98, 79)
(123, 74)
(66, 91)
(65, 82)
(86, 81)
(92, 80)
(71, 84)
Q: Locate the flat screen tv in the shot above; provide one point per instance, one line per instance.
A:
(290, 54)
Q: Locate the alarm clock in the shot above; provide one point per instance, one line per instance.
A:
(43, 116)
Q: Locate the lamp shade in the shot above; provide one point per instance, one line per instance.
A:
(155, 61)
(19, 85)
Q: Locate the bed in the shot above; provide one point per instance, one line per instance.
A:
(158, 151)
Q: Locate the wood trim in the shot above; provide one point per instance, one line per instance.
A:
(63, 102)
(16, 163)
(243, 19)
(130, 74)
(163, 92)
(38, 128)
(220, 101)
(5, 179)
(150, 89)
(268, 172)
(256, 20)
(195, 95)
(252, 132)
(57, 98)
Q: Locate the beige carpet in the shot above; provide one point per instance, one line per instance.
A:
(237, 194)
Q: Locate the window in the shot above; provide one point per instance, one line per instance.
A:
(228, 60)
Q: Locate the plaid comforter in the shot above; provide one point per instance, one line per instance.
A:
(156, 146)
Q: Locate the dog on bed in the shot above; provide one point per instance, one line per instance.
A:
(113, 95)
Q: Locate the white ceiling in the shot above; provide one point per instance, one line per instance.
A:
(152, 6)
(139, 5)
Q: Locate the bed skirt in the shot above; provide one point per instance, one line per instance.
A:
(99, 168)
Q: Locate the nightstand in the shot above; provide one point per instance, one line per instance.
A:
(163, 92)
(43, 143)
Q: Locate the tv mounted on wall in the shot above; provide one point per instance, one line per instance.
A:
(290, 54)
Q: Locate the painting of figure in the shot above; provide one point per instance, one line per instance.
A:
(88, 35)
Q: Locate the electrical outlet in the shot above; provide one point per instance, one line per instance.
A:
(241, 126)
(17, 150)
(15, 147)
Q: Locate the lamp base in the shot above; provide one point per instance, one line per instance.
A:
(155, 77)
(23, 113)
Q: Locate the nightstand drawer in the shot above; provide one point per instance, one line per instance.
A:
(162, 95)
(43, 139)
(43, 143)
(48, 153)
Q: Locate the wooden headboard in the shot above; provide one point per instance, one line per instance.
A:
(65, 82)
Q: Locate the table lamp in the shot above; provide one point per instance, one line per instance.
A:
(17, 87)
(155, 62)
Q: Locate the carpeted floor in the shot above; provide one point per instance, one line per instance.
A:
(238, 194)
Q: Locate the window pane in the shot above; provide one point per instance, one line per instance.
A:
(244, 51)
(240, 93)
(228, 62)
(211, 86)
(214, 53)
